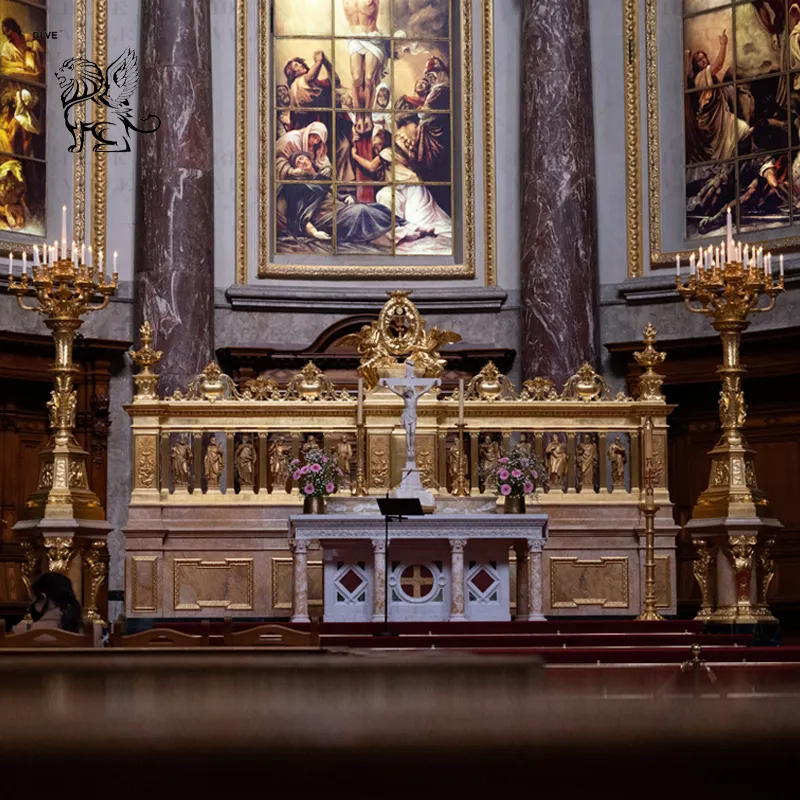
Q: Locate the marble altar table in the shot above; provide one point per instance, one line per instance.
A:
(441, 566)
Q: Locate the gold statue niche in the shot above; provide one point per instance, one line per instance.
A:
(399, 331)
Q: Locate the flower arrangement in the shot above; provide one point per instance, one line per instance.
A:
(516, 475)
(318, 477)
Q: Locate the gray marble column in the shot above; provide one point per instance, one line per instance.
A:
(535, 599)
(558, 251)
(174, 280)
(522, 614)
(300, 581)
(457, 609)
(379, 581)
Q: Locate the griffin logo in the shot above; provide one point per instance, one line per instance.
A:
(81, 81)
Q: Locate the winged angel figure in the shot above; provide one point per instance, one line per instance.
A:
(82, 81)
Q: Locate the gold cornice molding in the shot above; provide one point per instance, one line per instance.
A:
(633, 157)
(489, 211)
(79, 159)
(99, 174)
(241, 141)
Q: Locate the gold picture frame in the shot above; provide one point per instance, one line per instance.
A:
(467, 269)
(659, 259)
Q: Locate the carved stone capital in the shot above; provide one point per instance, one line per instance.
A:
(457, 545)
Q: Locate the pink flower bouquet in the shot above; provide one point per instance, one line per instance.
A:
(318, 476)
(516, 475)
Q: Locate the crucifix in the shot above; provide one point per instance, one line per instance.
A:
(410, 389)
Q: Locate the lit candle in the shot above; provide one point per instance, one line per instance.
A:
(10, 263)
(90, 256)
(716, 257)
(36, 256)
(730, 229)
(722, 252)
(677, 266)
(64, 230)
(55, 251)
(24, 262)
(767, 264)
(648, 440)
(100, 264)
(83, 253)
(460, 401)
(115, 262)
(780, 265)
(73, 252)
(691, 264)
(360, 414)
(745, 255)
(52, 254)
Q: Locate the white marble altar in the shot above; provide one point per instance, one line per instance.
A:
(441, 566)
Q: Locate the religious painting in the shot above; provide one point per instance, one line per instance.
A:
(22, 193)
(363, 145)
(22, 55)
(22, 117)
(741, 114)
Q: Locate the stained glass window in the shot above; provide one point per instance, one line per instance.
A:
(363, 122)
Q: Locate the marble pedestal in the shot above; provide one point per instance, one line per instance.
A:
(411, 486)
(441, 567)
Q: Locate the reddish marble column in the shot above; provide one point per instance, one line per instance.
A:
(558, 247)
(174, 280)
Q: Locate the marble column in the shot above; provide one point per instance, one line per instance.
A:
(558, 250)
(174, 279)
(535, 599)
(379, 581)
(457, 580)
(300, 582)
(522, 614)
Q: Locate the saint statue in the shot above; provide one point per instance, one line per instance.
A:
(556, 458)
(410, 389)
(523, 447)
(587, 461)
(453, 465)
(618, 457)
(181, 461)
(213, 464)
(245, 458)
(310, 444)
(279, 462)
(490, 454)
(344, 458)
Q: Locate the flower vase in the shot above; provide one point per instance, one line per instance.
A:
(314, 504)
(514, 505)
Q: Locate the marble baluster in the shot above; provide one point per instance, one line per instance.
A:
(300, 582)
(558, 252)
(535, 599)
(457, 610)
(174, 278)
(523, 612)
(379, 580)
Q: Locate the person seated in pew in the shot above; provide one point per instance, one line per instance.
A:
(55, 605)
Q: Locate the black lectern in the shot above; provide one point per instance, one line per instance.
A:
(397, 509)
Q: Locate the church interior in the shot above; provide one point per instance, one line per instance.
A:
(403, 389)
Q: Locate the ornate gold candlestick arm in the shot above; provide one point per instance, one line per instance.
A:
(461, 487)
(145, 358)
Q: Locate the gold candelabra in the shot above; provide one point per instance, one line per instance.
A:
(360, 487)
(64, 292)
(729, 294)
(649, 509)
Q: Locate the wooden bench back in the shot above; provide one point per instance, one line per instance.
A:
(163, 637)
(271, 636)
(47, 637)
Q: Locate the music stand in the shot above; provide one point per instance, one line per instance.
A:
(397, 509)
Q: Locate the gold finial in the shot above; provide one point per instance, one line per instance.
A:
(650, 381)
(145, 358)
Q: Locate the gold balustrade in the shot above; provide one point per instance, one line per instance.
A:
(219, 442)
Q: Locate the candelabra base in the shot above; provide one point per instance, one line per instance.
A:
(649, 616)
(732, 488)
(740, 568)
(63, 491)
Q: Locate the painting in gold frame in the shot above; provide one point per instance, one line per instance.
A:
(463, 267)
(648, 70)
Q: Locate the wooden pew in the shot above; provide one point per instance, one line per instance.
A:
(49, 637)
(270, 636)
(163, 637)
